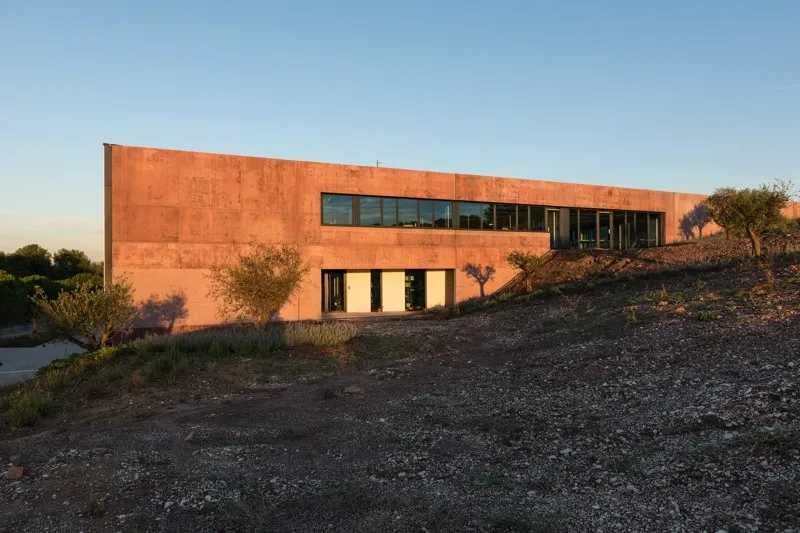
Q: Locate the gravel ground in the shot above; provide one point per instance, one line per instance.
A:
(636, 407)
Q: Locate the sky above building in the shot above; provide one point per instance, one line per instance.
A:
(680, 95)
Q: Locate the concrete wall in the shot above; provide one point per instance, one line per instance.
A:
(435, 288)
(357, 287)
(393, 290)
(171, 215)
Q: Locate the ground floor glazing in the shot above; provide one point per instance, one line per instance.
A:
(369, 291)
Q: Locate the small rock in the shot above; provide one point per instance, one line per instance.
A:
(712, 420)
(14, 472)
(167, 505)
(189, 437)
(354, 389)
(680, 310)
(16, 459)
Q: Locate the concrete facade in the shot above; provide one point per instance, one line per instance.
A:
(171, 215)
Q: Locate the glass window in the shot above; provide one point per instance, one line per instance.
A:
(537, 219)
(426, 213)
(523, 219)
(389, 206)
(407, 213)
(506, 216)
(337, 209)
(488, 216)
(654, 224)
(604, 228)
(588, 233)
(470, 215)
(369, 211)
(621, 230)
(640, 229)
(442, 214)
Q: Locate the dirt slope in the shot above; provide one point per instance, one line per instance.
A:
(637, 407)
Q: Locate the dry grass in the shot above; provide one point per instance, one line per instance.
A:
(111, 372)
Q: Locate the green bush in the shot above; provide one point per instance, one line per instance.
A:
(87, 317)
(94, 281)
(51, 288)
(14, 304)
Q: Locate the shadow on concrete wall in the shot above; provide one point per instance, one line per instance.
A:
(162, 311)
(697, 219)
(481, 274)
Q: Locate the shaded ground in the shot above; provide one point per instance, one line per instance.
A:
(636, 407)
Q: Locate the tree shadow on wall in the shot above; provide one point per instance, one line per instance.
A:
(163, 311)
(482, 275)
(697, 218)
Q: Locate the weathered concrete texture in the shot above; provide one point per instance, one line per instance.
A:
(171, 215)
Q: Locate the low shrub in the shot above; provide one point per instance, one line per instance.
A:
(707, 316)
(217, 344)
(166, 364)
(55, 379)
(26, 407)
(319, 335)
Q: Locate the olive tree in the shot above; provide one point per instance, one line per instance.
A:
(256, 285)
(527, 264)
(88, 316)
(752, 212)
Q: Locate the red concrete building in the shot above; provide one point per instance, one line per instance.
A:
(376, 239)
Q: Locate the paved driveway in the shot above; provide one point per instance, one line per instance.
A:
(20, 364)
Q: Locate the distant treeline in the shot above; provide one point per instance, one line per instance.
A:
(32, 266)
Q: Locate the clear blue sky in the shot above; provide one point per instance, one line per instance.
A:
(679, 95)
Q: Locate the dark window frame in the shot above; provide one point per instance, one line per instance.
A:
(630, 217)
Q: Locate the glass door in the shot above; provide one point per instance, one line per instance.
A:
(332, 291)
(375, 290)
(415, 290)
(554, 227)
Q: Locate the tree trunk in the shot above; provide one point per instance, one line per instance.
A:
(756, 240)
(528, 283)
(483, 293)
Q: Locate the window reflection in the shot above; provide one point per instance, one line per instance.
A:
(538, 222)
(389, 209)
(506, 216)
(442, 214)
(407, 213)
(337, 209)
(470, 215)
(426, 213)
(369, 212)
